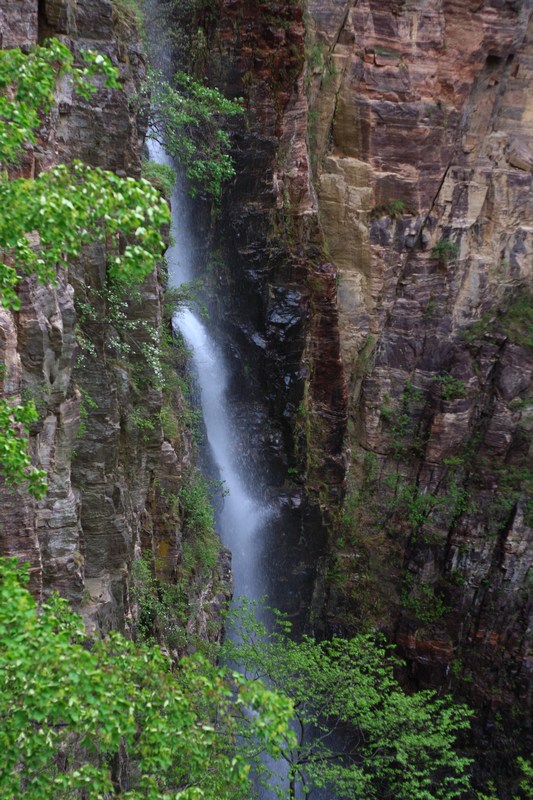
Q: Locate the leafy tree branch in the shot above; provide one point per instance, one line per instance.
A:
(70, 708)
(187, 118)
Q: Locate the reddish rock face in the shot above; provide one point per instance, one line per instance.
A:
(419, 137)
(422, 130)
(283, 316)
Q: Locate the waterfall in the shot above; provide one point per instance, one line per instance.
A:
(242, 516)
(243, 521)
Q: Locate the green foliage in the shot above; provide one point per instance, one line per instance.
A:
(27, 84)
(402, 424)
(525, 768)
(128, 14)
(445, 250)
(478, 328)
(86, 403)
(142, 420)
(72, 710)
(47, 220)
(176, 33)
(381, 513)
(201, 545)
(15, 462)
(514, 482)
(39, 394)
(162, 607)
(408, 503)
(154, 358)
(451, 388)
(179, 410)
(395, 208)
(315, 54)
(134, 341)
(420, 598)
(526, 784)
(197, 509)
(167, 610)
(393, 744)
(384, 51)
(415, 506)
(513, 318)
(45, 223)
(161, 176)
(186, 118)
(317, 58)
(517, 320)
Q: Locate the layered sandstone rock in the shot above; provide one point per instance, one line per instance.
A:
(423, 129)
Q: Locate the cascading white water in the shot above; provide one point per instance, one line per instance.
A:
(244, 520)
(242, 515)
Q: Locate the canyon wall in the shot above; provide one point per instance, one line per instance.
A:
(377, 244)
(273, 291)
(422, 139)
(85, 351)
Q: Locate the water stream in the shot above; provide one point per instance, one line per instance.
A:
(243, 516)
(244, 520)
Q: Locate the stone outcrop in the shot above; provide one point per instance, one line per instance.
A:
(81, 351)
(18, 25)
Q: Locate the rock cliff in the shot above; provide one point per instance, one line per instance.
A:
(378, 251)
(84, 351)
(422, 142)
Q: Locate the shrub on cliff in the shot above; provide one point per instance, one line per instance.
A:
(45, 221)
(185, 117)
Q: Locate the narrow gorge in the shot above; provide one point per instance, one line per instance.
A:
(365, 365)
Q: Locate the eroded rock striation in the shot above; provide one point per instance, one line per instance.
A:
(421, 112)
